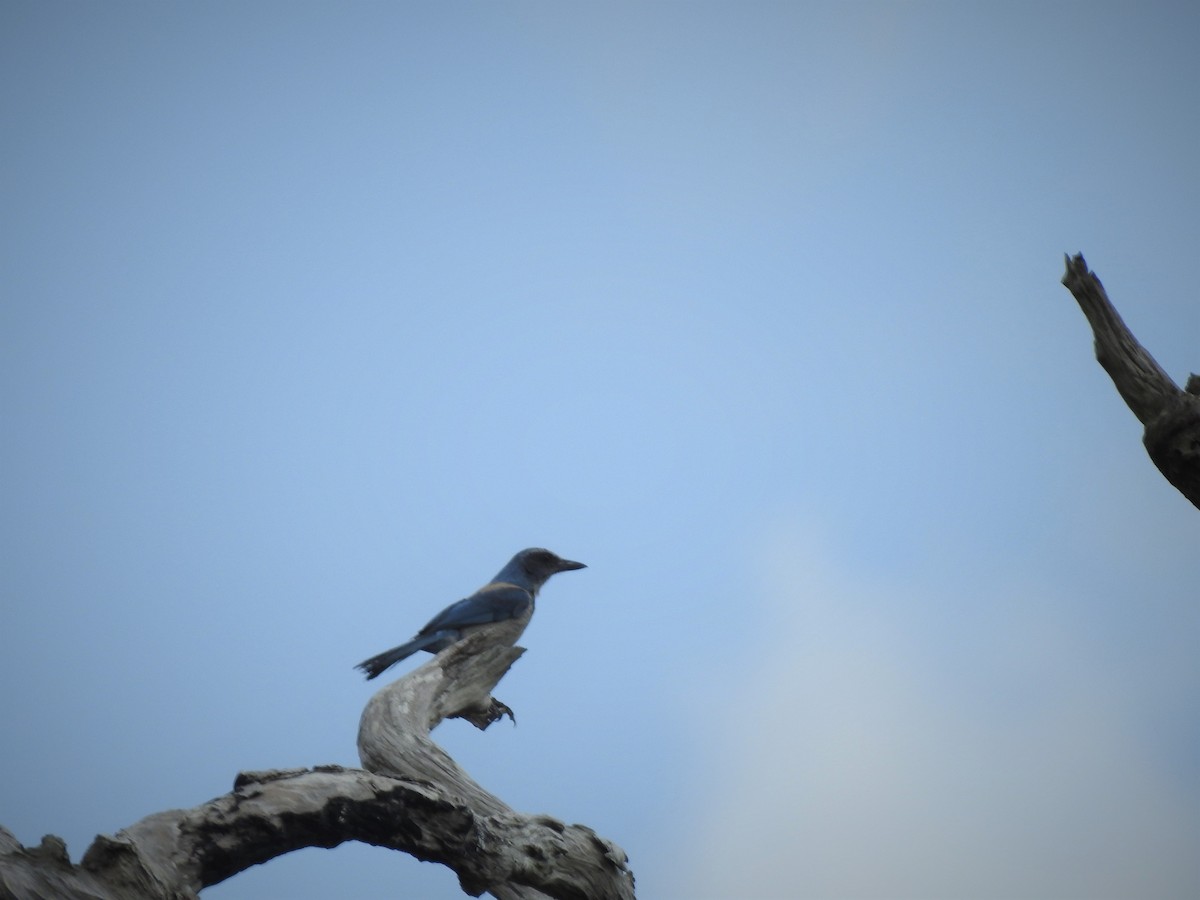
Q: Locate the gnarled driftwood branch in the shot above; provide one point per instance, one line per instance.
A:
(528, 856)
(414, 798)
(1170, 416)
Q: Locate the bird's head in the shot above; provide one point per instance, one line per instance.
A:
(534, 566)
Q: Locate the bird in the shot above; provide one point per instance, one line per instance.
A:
(510, 595)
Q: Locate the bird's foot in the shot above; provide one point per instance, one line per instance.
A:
(483, 716)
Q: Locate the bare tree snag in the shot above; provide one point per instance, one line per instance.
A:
(414, 798)
(1171, 416)
(540, 855)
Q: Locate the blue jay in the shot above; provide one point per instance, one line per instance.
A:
(509, 595)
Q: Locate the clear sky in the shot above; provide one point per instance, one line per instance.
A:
(311, 315)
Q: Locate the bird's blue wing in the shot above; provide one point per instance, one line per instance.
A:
(489, 604)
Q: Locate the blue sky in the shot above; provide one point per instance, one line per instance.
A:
(315, 313)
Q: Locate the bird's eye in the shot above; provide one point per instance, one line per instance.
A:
(541, 557)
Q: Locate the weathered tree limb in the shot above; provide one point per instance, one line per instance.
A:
(1170, 416)
(545, 857)
(415, 799)
(177, 853)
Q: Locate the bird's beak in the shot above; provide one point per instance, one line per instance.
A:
(566, 565)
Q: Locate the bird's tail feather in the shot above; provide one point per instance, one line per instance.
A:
(377, 665)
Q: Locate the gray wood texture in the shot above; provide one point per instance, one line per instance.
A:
(409, 796)
(1170, 416)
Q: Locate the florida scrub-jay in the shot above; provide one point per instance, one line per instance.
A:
(510, 595)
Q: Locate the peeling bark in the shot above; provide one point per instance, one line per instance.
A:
(1170, 416)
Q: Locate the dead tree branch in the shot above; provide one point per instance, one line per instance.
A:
(533, 856)
(1170, 416)
(413, 798)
